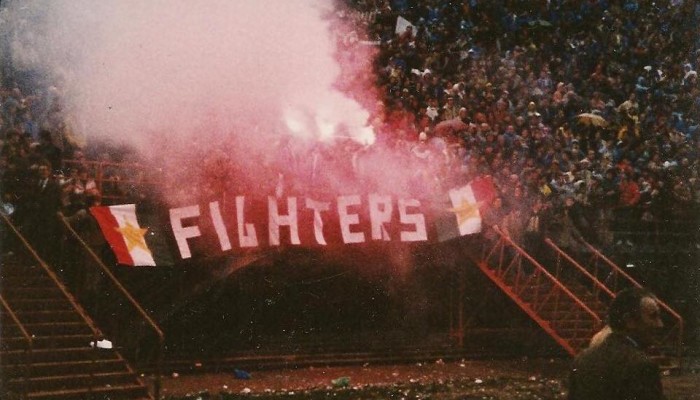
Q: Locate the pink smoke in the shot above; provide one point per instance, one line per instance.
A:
(249, 97)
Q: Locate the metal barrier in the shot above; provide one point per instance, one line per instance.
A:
(99, 172)
(505, 263)
(598, 286)
(144, 315)
(28, 351)
(617, 279)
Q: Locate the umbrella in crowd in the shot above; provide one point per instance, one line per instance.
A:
(540, 23)
(590, 119)
(450, 127)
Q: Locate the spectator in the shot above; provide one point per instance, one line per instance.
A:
(49, 151)
(627, 212)
(44, 202)
(618, 366)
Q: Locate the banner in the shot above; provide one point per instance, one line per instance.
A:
(402, 24)
(248, 222)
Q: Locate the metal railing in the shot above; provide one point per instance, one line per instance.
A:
(616, 279)
(96, 333)
(598, 286)
(142, 313)
(111, 187)
(507, 264)
(29, 349)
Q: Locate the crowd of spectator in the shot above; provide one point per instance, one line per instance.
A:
(46, 168)
(584, 113)
(499, 88)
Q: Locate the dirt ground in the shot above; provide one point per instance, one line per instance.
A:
(521, 379)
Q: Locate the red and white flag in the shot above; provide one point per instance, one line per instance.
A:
(124, 234)
(464, 215)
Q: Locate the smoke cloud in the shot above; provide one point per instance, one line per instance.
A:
(222, 96)
(188, 82)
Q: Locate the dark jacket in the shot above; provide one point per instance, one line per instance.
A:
(615, 370)
(47, 200)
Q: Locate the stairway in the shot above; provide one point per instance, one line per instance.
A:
(558, 302)
(610, 279)
(569, 301)
(62, 363)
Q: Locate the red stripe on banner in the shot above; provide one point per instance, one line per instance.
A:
(109, 226)
(483, 189)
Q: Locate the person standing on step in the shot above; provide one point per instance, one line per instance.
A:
(44, 203)
(618, 368)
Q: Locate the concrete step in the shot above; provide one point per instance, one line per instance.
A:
(48, 329)
(49, 293)
(32, 316)
(112, 392)
(33, 304)
(47, 342)
(79, 379)
(65, 367)
(87, 353)
(26, 281)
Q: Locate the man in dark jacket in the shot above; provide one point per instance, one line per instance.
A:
(619, 368)
(44, 201)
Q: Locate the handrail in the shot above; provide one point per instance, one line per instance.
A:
(661, 303)
(619, 270)
(556, 282)
(129, 297)
(27, 338)
(579, 267)
(53, 277)
(100, 163)
(96, 333)
(611, 264)
(98, 168)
